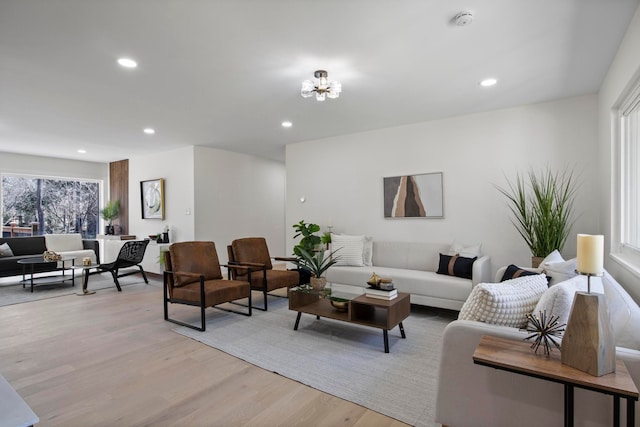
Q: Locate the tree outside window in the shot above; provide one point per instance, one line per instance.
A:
(48, 205)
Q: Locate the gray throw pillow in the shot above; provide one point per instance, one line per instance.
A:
(5, 250)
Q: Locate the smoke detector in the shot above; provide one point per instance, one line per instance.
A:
(463, 19)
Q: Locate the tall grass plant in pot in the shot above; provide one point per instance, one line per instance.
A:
(110, 212)
(542, 206)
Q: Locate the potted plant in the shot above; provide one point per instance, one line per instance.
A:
(316, 263)
(309, 253)
(542, 206)
(309, 242)
(110, 212)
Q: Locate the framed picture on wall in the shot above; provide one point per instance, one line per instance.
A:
(152, 198)
(414, 196)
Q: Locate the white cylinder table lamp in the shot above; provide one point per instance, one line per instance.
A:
(588, 343)
(590, 256)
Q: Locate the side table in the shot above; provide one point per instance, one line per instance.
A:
(85, 277)
(517, 357)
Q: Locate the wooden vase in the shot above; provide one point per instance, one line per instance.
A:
(318, 283)
(535, 261)
(588, 343)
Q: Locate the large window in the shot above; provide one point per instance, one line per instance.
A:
(626, 243)
(36, 205)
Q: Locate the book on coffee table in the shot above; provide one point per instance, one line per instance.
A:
(381, 293)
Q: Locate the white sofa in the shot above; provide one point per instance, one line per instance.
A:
(413, 266)
(473, 395)
(70, 245)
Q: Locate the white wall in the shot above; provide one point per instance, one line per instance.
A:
(237, 195)
(52, 167)
(212, 194)
(624, 70)
(341, 177)
(176, 167)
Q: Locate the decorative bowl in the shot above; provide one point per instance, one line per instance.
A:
(340, 304)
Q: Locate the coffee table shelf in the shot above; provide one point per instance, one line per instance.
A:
(362, 310)
(44, 280)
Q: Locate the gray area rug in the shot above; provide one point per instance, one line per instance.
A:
(12, 292)
(345, 360)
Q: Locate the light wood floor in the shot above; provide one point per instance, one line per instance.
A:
(109, 359)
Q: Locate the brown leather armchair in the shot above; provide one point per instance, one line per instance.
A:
(253, 252)
(193, 276)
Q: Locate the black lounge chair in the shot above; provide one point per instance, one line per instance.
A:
(130, 255)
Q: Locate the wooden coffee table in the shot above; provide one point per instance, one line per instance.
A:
(362, 310)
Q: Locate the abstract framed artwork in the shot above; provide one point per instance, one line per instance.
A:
(152, 198)
(414, 196)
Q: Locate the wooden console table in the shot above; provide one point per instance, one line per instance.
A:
(516, 356)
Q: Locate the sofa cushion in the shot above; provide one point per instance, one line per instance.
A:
(513, 271)
(349, 249)
(455, 265)
(624, 312)
(415, 282)
(507, 303)
(5, 250)
(26, 245)
(78, 256)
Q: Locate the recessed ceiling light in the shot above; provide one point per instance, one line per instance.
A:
(149, 131)
(287, 124)
(127, 63)
(488, 82)
(82, 151)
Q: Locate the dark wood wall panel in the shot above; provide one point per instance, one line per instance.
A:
(119, 189)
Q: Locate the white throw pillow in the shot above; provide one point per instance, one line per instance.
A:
(349, 249)
(467, 251)
(5, 250)
(560, 271)
(367, 252)
(552, 257)
(558, 299)
(506, 303)
(63, 242)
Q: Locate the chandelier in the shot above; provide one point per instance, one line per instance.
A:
(323, 88)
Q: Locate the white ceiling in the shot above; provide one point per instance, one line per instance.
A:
(225, 74)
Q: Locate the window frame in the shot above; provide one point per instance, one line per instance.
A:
(100, 183)
(621, 251)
